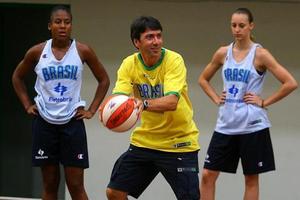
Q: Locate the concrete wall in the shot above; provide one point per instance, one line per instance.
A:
(195, 29)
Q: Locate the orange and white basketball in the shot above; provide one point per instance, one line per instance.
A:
(118, 113)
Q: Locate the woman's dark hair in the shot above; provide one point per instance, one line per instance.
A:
(245, 11)
(140, 24)
(60, 7)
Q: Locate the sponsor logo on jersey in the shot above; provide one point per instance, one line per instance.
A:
(149, 77)
(233, 90)
(60, 99)
(60, 89)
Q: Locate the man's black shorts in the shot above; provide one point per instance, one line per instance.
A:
(137, 167)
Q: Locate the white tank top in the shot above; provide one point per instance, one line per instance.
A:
(58, 84)
(235, 116)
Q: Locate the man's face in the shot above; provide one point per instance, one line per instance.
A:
(150, 43)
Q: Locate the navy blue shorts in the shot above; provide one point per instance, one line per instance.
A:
(137, 167)
(54, 144)
(254, 149)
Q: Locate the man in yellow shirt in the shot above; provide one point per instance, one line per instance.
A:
(167, 139)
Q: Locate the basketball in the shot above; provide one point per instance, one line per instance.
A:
(118, 113)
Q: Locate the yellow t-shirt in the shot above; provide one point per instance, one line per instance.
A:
(171, 131)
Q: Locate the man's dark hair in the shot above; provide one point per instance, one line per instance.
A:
(140, 24)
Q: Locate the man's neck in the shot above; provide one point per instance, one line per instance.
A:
(151, 60)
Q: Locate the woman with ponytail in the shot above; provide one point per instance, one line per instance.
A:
(242, 128)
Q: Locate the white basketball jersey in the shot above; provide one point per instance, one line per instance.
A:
(58, 84)
(235, 116)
